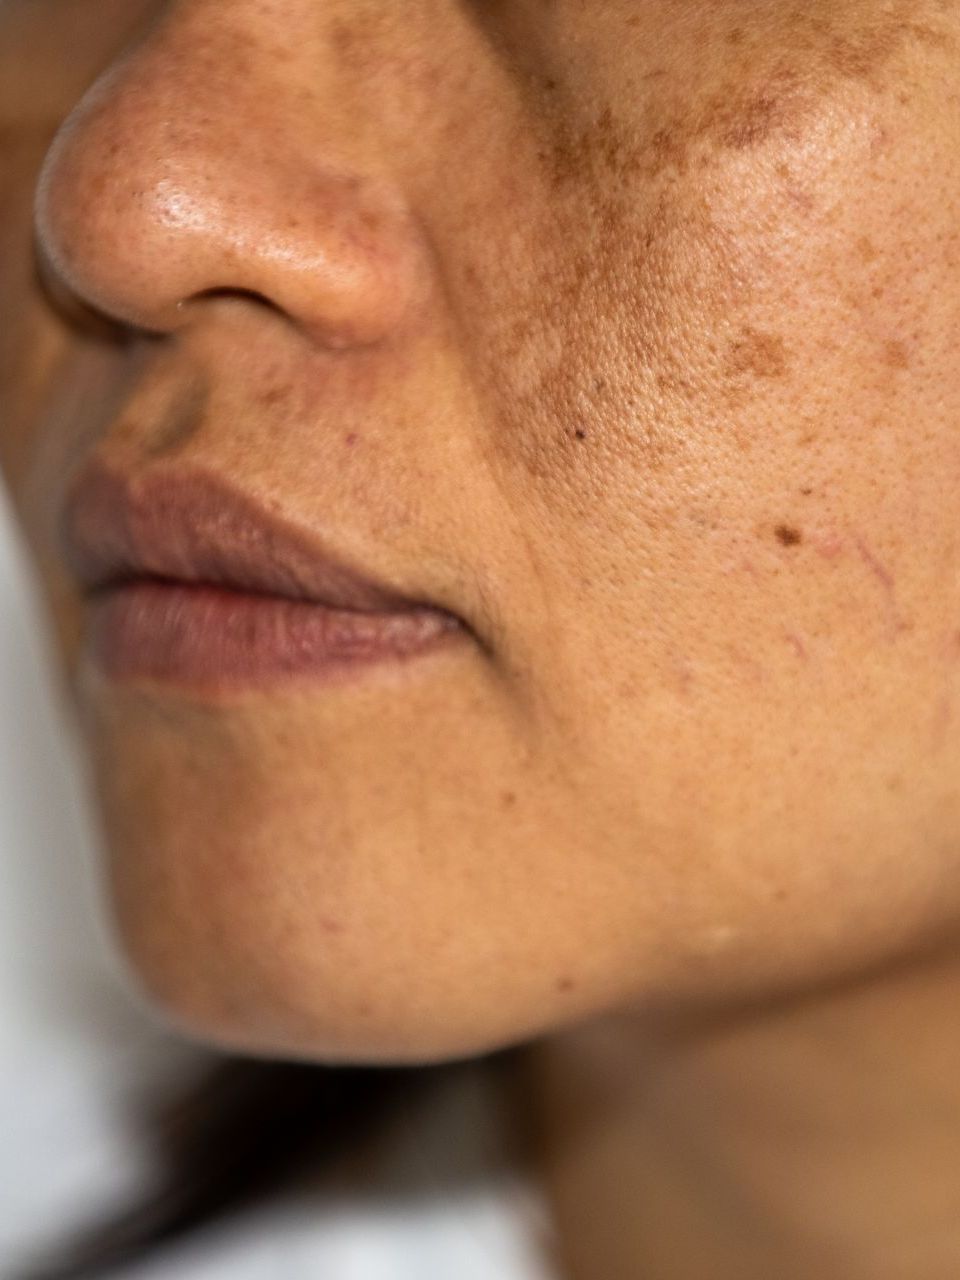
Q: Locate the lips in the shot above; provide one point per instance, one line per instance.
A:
(194, 527)
(189, 578)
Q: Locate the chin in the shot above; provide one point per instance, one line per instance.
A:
(345, 1018)
(247, 974)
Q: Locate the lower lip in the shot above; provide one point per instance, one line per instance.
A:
(217, 636)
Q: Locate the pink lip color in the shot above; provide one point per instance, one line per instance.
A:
(219, 636)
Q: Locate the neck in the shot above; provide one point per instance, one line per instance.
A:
(817, 1138)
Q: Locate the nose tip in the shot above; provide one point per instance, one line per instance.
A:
(152, 200)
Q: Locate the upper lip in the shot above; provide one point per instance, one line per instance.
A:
(191, 525)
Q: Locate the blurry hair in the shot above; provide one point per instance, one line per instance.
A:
(248, 1129)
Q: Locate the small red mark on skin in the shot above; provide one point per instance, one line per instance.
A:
(754, 668)
(874, 565)
(351, 438)
(330, 926)
(942, 716)
(684, 676)
(798, 646)
(895, 623)
(879, 141)
(828, 545)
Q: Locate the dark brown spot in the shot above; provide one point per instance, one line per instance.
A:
(806, 492)
(787, 535)
(580, 433)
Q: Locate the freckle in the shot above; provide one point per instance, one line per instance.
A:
(273, 395)
(565, 984)
(894, 783)
(788, 536)
(764, 355)
(867, 249)
(806, 492)
(599, 384)
(549, 83)
(895, 355)
(508, 799)
(364, 1010)
(580, 433)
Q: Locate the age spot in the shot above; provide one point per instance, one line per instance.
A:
(756, 353)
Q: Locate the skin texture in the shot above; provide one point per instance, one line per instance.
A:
(627, 332)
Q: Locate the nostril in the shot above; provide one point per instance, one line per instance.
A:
(231, 294)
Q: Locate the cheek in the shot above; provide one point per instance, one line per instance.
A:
(732, 411)
(744, 351)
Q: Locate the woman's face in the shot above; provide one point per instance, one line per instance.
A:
(625, 332)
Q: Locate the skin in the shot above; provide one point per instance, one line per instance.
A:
(658, 390)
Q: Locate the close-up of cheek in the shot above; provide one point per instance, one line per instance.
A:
(656, 398)
(741, 475)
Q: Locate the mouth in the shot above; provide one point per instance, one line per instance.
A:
(189, 580)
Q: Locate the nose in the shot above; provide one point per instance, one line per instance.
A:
(176, 180)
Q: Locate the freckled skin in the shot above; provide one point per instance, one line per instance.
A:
(555, 315)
